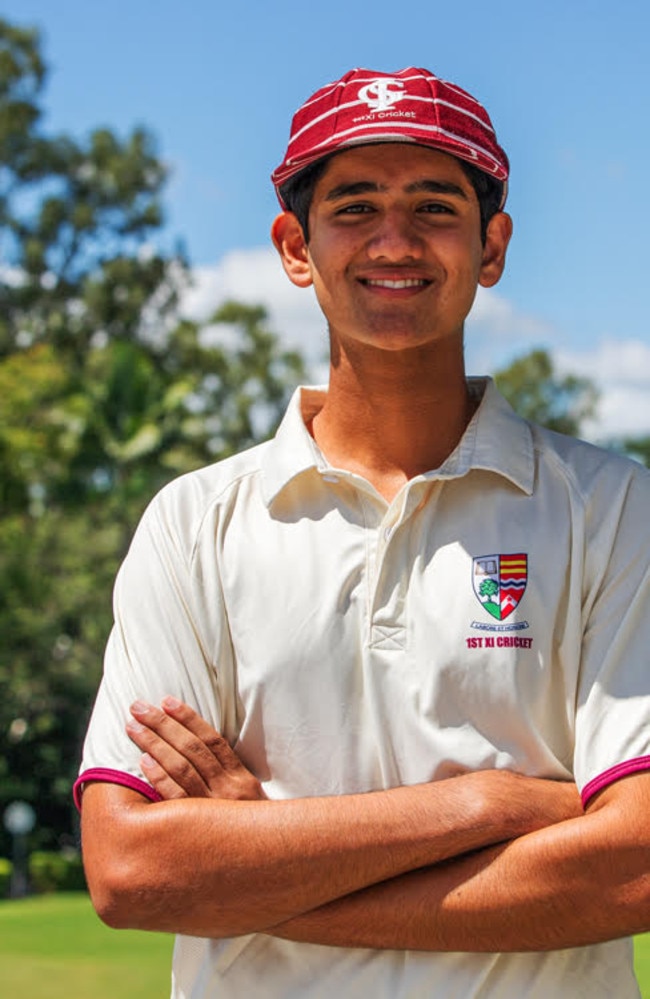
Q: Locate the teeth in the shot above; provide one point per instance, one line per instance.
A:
(402, 283)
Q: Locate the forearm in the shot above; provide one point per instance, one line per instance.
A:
(250, 865)
(577, 882)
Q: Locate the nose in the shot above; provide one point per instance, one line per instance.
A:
(395, 237)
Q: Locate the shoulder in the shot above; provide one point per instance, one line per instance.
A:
(607, 494)
(544, 461)
(592, 470)
(180, 510)
(207, 484)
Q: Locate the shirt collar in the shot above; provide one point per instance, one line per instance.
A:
(496, 440)
(293, 450)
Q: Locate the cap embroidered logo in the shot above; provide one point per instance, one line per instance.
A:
(379, 96)
(413, 105)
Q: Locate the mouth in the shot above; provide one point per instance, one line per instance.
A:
(395, 284)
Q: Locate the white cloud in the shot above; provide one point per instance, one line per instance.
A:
(621, 370)
(499, 317)
(497, 331)
(256, 277)
(622, 362)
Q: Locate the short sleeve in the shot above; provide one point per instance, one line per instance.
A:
(613, 708)
(169, 635)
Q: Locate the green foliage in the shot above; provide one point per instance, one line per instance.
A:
(6, 869)
(73, 216)
(535, 390)
(488, 588)
(105, 395)
(50, 871)
(637, 448)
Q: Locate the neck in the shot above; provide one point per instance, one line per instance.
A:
(392, 415)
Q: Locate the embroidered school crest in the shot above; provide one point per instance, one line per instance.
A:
(499, 582)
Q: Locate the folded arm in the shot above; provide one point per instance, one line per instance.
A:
(222, 864)
(577, 882)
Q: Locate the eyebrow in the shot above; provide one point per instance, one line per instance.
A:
(369, 187)
(437, 187)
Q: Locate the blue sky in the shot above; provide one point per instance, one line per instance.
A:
(567, 87)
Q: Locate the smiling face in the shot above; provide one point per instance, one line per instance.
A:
(395, 252)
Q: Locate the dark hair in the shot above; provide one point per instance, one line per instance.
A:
(489, 192)
(298, 191)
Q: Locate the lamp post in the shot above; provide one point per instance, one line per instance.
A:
(19, 820)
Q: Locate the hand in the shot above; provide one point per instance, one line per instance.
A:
(185, 757)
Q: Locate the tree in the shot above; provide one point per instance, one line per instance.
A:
(105, 394)
(536, 391)
(73, 216)
(637, 448)
(490, 588)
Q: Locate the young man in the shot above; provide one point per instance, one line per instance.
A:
(387, 644)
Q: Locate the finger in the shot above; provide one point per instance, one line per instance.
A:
(208, 760)
(203, 730)
(232, 779)
(177, 761)
(160, 780)
(217, 765)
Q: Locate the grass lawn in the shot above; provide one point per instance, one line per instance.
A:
(642, 963)
(54, 947)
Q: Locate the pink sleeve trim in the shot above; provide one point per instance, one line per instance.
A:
(613, 774)
(106, 776)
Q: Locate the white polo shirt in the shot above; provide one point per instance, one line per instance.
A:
(495, 614)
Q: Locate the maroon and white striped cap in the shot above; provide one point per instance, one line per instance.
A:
(412, 105)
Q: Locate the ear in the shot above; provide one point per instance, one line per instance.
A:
(289, 241)
(498, 235)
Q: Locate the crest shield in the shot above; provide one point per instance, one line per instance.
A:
(499, 582)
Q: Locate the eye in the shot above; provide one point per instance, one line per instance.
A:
(436, 208)
(357, 208)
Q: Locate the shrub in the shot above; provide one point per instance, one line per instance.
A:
(50, 871)
(6, 868)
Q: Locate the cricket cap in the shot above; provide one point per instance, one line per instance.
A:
(412, 105)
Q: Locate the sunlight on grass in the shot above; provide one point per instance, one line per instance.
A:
(55, 947)
(642, 963)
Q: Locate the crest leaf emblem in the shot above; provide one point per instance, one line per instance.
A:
(499, 582)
